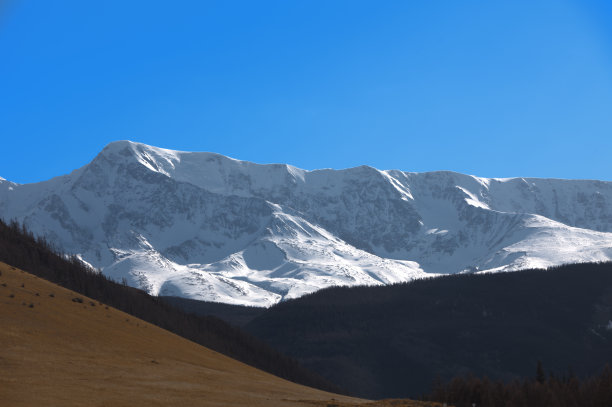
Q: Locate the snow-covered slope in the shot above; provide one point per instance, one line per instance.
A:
(205, 226)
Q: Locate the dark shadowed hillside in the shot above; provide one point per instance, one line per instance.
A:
(394, 341)
(237, 315)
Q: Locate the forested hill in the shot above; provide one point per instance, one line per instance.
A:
(19, 248)
(393, 341)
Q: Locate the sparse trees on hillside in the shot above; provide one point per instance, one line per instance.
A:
(566, 391)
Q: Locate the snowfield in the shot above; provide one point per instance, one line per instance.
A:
(208, 227)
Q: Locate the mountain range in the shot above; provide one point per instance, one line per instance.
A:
(204, 226)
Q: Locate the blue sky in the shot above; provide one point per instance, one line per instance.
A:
(491, 88)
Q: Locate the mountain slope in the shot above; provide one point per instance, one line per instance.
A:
(58, 351)
(394, 341)
(205, 226)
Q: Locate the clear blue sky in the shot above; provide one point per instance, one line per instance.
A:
(491, 88)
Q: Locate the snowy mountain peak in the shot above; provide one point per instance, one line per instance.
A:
(211, 171)
(205, 226)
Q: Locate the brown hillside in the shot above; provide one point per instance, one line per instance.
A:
(58, 351)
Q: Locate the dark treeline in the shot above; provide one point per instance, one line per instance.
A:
(21, 249)
(393, 341)
(236, 315)
(554, 391)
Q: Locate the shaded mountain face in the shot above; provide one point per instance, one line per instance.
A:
(208, 227)
(394, 341)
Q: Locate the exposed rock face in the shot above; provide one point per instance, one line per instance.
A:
(205, 226)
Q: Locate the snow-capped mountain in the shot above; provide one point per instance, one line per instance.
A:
(205, 226)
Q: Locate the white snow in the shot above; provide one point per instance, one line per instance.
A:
(204, 226)
(472, 199)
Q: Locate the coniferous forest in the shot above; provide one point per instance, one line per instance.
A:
(394, 341)
(565, 390)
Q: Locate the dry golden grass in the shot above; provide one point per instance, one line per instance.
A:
(56, 352)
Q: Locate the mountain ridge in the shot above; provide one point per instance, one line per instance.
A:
(205, 226)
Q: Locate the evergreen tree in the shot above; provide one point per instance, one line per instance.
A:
(540, 376)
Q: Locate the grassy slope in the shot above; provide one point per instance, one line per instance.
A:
(65, 353)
